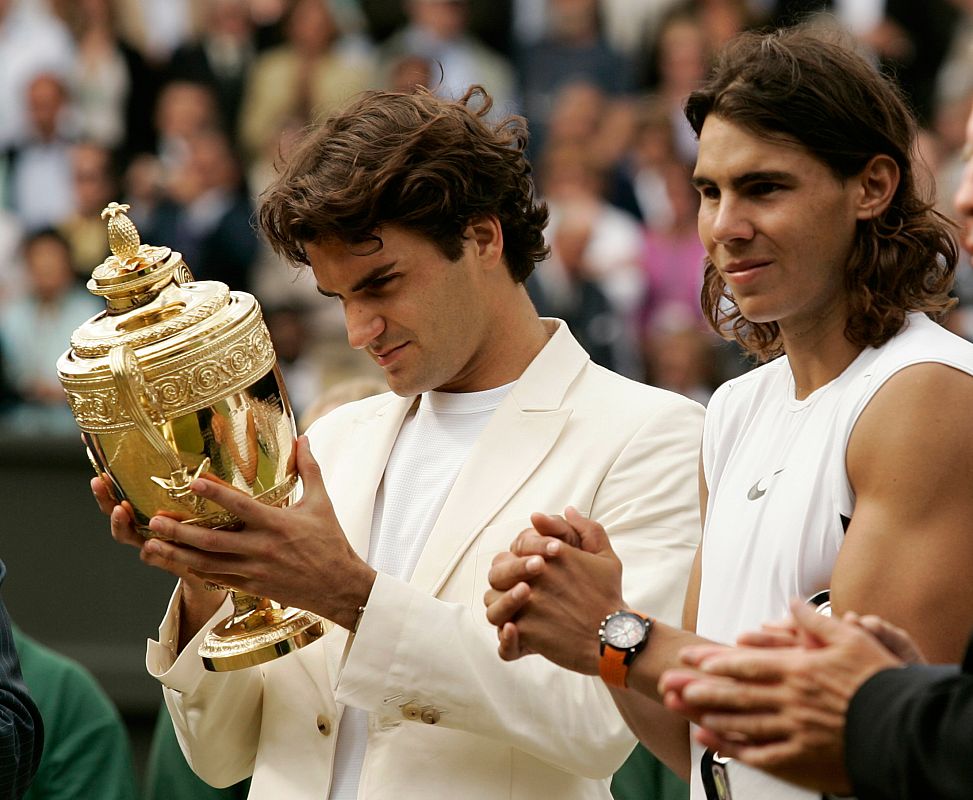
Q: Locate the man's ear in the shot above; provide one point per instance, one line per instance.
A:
(877, 183)
(486, 235)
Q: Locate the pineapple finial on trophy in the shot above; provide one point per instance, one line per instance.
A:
(123, 237)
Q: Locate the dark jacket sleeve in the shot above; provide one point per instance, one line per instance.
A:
(21, 730)
(910, 734)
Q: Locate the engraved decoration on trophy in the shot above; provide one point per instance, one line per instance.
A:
(178, 379)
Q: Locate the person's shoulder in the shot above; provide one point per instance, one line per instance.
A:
(750, 383)
(616, 394)
(346, 414)
(59, 682)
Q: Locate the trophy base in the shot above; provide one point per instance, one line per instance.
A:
(258, 636)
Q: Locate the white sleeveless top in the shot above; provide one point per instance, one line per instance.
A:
(779, 496)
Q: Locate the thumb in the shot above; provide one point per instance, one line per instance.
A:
(557, 527)
(821, 630)
(310, 473)
(592, 534)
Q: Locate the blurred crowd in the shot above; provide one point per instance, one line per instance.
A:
(181, 108)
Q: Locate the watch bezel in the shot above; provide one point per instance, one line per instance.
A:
(629, 650)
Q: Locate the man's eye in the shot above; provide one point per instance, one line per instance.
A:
(764, 188)
(381, 283)
(709, 192)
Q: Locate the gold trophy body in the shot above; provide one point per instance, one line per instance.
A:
(176, 379)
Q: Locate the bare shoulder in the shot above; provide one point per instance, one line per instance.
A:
(919, 420)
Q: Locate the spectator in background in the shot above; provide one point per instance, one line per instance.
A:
(672, 255)
(680, 57)
(221, 58)
(94, 188)
(39, 184)
(306, 77)
(21, 729)
(579, 300)
(573, 51)
(638, 183)
(86, 748)
(184, 110)
(288, 326)
(36, 328)
(156, 28)
(608, 250)
(438, 30)
(32, 41)
(205, 214)
(108, 77)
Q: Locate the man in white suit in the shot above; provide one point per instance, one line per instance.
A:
(419, 215)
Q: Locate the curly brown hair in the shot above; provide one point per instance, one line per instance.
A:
(426, 164)
(805, 86)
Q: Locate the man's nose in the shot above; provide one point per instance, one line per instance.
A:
(363, 325)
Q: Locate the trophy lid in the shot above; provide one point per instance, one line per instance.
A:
(149, 292)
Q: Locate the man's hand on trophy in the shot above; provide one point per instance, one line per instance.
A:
(549, 598)
(298, 556)
(123, 529)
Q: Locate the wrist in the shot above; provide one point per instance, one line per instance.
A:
(353, 602)
(622, 636)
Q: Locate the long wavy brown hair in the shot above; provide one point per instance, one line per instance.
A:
(805, 86)
(417, 161)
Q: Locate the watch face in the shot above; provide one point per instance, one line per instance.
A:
(624, 631)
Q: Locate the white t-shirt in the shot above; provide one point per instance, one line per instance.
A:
(431, 448)
(779, 496)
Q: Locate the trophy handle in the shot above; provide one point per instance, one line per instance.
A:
(137, 397)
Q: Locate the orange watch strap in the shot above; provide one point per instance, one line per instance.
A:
(612, 667)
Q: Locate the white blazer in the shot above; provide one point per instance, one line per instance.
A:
(568, 433)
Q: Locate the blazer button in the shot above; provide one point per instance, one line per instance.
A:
(324, 725)
(430, 716)
(411, 711)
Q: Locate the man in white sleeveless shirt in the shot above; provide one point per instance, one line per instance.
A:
(843, 463)
(418, 215)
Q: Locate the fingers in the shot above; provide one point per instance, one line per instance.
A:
(530, 543)
(592, 534)
(103, 495)
(821, 629)
(198, 538)
(503, 607)
(171, 556)
(251, 512)
(510, 648)
(715, 696)
(556, 527)
(746, 665)
(122, 527)
(696, 654)
(769, 637)
(893, 638)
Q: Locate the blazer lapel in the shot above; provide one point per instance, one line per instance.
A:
(352, 486)
(518, 437)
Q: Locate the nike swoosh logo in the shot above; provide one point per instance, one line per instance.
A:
(756, 492)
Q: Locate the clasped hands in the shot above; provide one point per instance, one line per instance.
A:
(549, 593)
(298, 555)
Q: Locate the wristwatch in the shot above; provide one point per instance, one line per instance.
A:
(623, 635)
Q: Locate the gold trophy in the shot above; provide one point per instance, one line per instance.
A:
(178, 379)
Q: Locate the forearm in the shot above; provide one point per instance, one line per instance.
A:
(665, 734)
